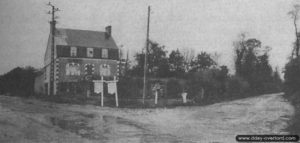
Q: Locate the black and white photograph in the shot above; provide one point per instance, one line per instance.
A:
(149, 71)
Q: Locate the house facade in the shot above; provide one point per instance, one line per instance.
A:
(80, 57)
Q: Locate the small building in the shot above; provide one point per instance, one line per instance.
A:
(80, 56)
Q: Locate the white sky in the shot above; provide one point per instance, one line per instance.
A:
(204, 25)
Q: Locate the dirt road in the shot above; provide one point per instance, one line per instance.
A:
(29, 120)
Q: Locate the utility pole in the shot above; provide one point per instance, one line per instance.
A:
(126, 62)
(146, 58)
(52, 34)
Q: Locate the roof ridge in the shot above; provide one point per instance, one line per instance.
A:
(78, 29)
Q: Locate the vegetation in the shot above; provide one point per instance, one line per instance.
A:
(18, 82)
(292, 75)
(252, 64)
(202, 77)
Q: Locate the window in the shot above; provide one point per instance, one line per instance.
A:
(90, 52)
(73, 69)
(73, 51)
(105, 70)
(105, 53)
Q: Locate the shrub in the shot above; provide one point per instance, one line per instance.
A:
(207, 85)
(237, 87)
(292, 90)
(292, 76)
(130, 87)
(174, 89)
(18, 82)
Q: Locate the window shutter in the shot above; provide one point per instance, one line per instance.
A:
(62, 51)
(66, 51)
(113, 54)
(81, 52)
(97, 53)
(59, 51)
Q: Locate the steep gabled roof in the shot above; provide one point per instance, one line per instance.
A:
(85, 38)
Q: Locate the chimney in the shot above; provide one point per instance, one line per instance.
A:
(107, 32)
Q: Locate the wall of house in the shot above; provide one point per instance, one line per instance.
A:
(81, 52)
(62, 58)
(47, 60)
(47, 79)
(47, 55)
(79, 72)
(39, 84)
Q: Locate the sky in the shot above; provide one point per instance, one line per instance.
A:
(202, 25)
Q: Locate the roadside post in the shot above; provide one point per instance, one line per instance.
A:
(156, 88)
(116, 90)
(184, 94)
(156, 94)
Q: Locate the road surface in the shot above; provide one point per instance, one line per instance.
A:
(30, 120)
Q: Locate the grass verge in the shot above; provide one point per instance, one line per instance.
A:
(294, 124)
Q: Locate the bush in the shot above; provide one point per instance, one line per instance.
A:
(18, 82)
(237, 87)
(207, 85)
(174, 89)
(130, 87)
(292, 76)
(292, 90)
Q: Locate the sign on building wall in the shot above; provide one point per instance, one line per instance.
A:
(72, 69)
(105, 70)
(89, 69)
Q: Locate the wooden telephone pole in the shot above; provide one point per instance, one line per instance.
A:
(52, 33)
(146, 58)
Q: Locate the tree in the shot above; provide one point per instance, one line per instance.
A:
(239, 49)
(245, 55)
(157, 61)
(262, 78)
(202, 61)
(176, 63)
(188, 55)
(295, 16)
(277, 80)
(292, 75)
(252, 64)
(246, 58)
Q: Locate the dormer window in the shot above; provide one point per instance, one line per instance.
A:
(90, 52)
(73, 52)
(104, 53)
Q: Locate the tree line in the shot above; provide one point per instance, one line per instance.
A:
(292, 75)
(204, 79)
